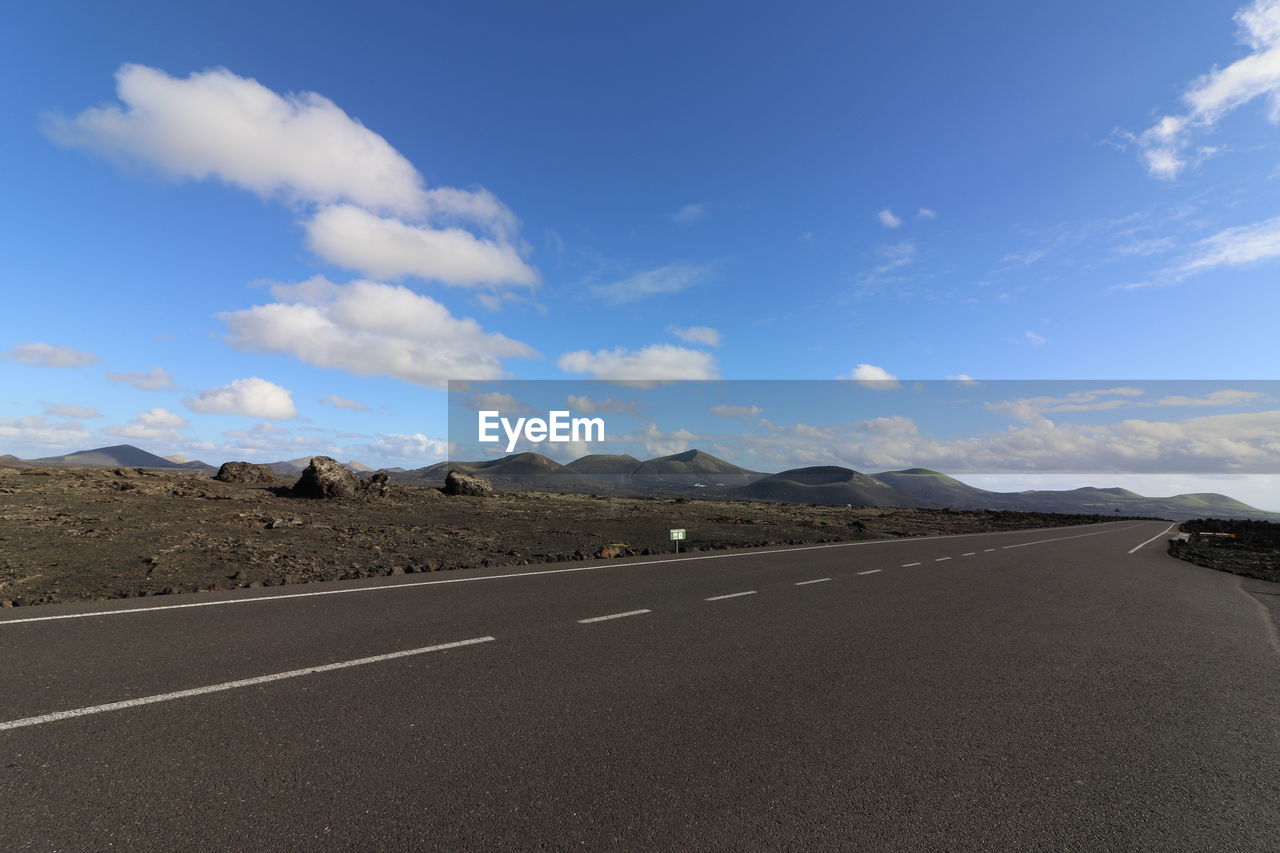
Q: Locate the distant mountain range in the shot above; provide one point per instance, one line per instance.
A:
(115, 456)
(695, 473)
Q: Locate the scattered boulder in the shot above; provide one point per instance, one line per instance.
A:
(609, 552)
(245, 472)
(378, 485)
(325, 477)
(458, 483)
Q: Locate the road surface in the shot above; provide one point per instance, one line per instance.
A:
(1060, 689)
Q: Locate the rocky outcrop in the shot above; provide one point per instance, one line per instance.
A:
(325, 477)
(458, 483)
(378, 485)
(244, 472)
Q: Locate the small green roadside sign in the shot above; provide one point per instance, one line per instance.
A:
(677, 534)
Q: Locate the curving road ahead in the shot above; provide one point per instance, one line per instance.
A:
(1061, 689)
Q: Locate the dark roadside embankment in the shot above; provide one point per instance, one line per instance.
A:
(1247, 548)
(69, 534)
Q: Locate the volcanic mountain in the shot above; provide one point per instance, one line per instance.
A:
(824, 484)
(689, 468)
(609, 464)
(118, 456)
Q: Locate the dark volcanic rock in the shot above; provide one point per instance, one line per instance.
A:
(457, 483)
(327, 478)
(245, 472)
(378, 485)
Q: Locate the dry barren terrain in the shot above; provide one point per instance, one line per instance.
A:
(78, 533)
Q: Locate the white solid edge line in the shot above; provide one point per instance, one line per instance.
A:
(613, 616)
(231, 685)
(1062, 538)
(730, 595)
(815, 580)
(909, 565)
(872, 571)
(1154, 538)
(383, 587)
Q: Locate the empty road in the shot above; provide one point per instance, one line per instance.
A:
(1060, 689)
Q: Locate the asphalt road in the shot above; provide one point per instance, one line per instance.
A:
(1039, 690)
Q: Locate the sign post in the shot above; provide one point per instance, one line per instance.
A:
(677, 534)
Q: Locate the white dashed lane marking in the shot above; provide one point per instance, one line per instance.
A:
(873, 571)
(231, 685)
(815, 580)
(730, 595)
(613, 616)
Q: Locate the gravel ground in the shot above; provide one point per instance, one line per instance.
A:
(71, 534)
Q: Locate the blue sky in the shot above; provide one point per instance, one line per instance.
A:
(279, 229)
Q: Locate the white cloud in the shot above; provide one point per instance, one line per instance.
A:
(372, 329)
(1036, 340)
(1232, 247)
(926, 213)
(39, 431)
(155, 379)
(689, 214)
(1219, 92)
(498, 401)
(657, 361)
(588, 406)
(891, 425)
(50, 355)
(252, 397)
(305, 150)
(1030, 410)
(215, 124)
(736, 411)
(896, 256)
(672, 278)
(388, 248)
(1223, 443)
(152, 425)
(416, 446)
(870, 376)
(887, 218)
(66, 410)
(964, 380)
(342, 403)
(704, 336)
(659, 443)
